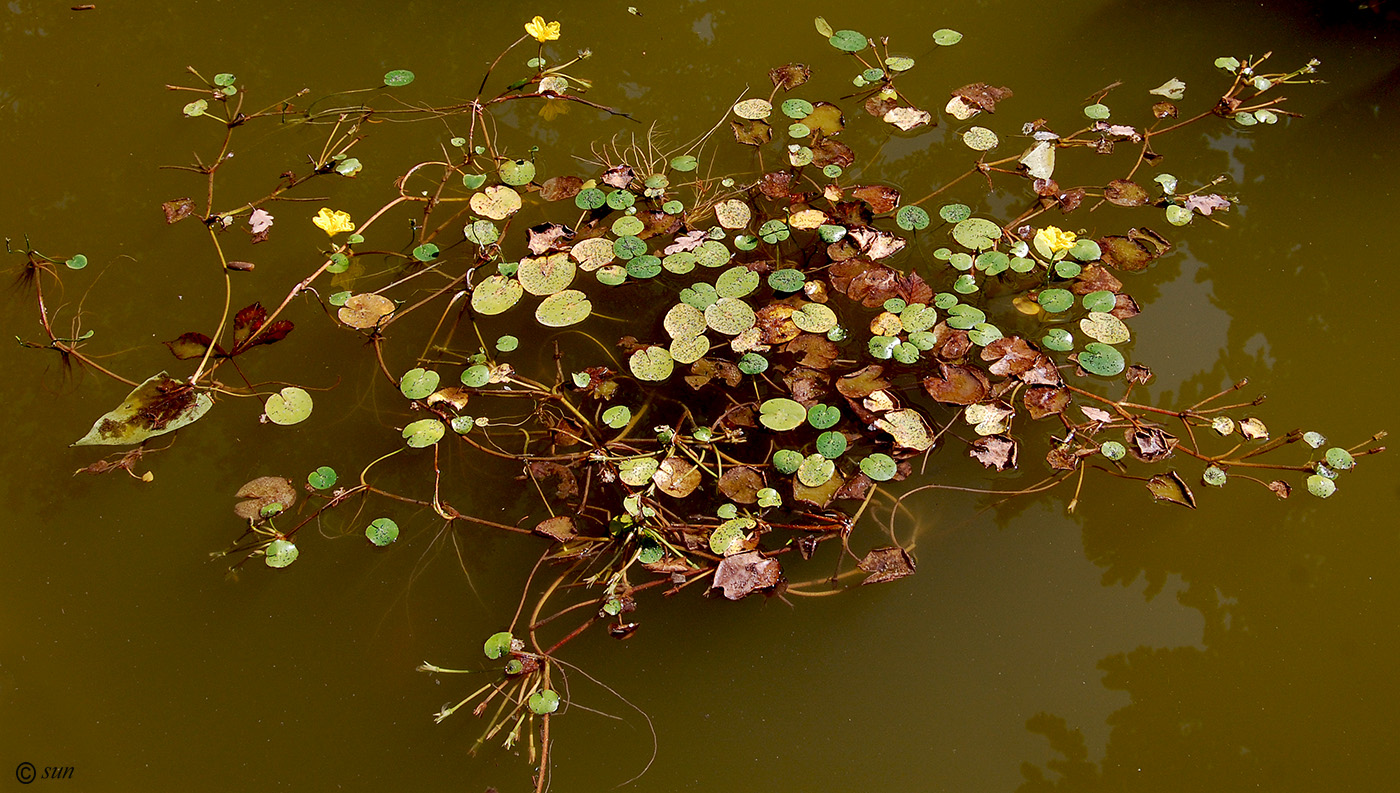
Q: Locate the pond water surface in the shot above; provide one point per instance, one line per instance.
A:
(1248, 644)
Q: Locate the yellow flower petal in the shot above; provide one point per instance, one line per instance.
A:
(542, 31)
(1055, 240)
(333, 223)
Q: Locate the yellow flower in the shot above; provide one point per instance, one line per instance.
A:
(333, 223)
(1054, 240)
(542, 31)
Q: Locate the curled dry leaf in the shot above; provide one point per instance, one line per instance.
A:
(740, 575)
(1042, 401)
(365, 311)
(263, 492)
(907, 118)
(887, 564)
(559, 188)
(957, 385)
(997, 452)
(560, 528)
(1171, 487)
(789, 76)
(177, 209)
(1149, 444)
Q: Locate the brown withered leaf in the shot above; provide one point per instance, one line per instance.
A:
(560, 528)
(874, 285)
(862, 382)
(1069, 200)
(192, 345)
(1125, 193)
(559, 188)
(1125, 254)
(775, 324)
(1012, 356)
(677, 477)
(706, 369)
(997, 452)
(814, 351)
(548, 237)
(619, 176)
(881, 198)
(887, 564)
(790, 75)
(1096, 414)
(908, 428)
(914, 289)
(983, 96)
(456, 397)
(752, 133)
(878, 107)
(1149, 444)
(1042, 401)
(949, 344)
(1125, 306)
(856, 487)
(1164, 110)
(819, 496)
(876, 244)
(1280, 488)
(1171, 487)
(957, 385)
(177, 209)
(742, 574)
(777, 184)
(656, 223)
(1062, 458)
(741, 484)
(1094, 278)
(807, 386)
(262, 492)
(1139, 374)
(829, 151)
(565, 483)
(249, 321)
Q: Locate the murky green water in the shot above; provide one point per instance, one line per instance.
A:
(1246, 645)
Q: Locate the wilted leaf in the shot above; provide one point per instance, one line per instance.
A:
(548, 237)
(157, 406)
(1040, 160)
(789, 76)
(957, 385)
(365, 310)
(1171, 487)
(1171, 89)
(263, 492)
(752, 133)
(1124, 193)
(908, 429)
(619, 176)
(1149, 444)
(742, 574)
(1205, 204)
(177, 209)
(907, 118)
(983, 96)
(192, 345)
(1042, 401)
(559, 188)
(887, 564)
(997, 452)
(677, 477)
(741, 484)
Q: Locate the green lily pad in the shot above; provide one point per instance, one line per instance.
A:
(1113, 450)
(418, 383)
(517, 172)
(848, 41)
(590, 198)
(423, 432)
(1097, 111)
(944, 37)
(628, 226)
(786, 280)
(1086, 250)
(781, 414)
(911, 218)
(1102, 300)
(382, 531)
(1340, 458)
(815, 470)
(700, 295)
(879, 466)
(831, 444)
(637, 471)
(651, 363)
(1104, 327)
(753, 363)
(773, 232)
(620, 199)
(289, 406)
(983, 334)
(797, 108)
(498, 645)
(77, 262)
(980, 139)
(736, 282)
(1321, 486)
(496, 295)
(786, 461)
(727, 534)
(1058, 339)
(544, 702)
(476, 376)
(977, 234)
(684, 321)
(814, 318)
(1055, 300)
(1214, 476)
(562, 309)
(955, 213)
(546, 275)
(481, 232)
(684, 163)
(280, 553)
(712, 253)
(730, 316)
(1100, 359)
(689, 350)
(617, 416)
(322, 478)
(398, 78)
(823, 417)
(629, 248)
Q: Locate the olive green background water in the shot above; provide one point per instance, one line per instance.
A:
(1247, 645)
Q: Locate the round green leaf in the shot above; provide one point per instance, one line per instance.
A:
(684, 163)
(507, 343)
(398, 77)
(546, 275)
(797, 108)
(617, 416)
(1214, 476)
(322, 478)
(773, 232)
(831, 444)
(726, 534)
(612, 275)
(77, 262)
(781, 414)
(1097, 111)
(280, 553)
(496, 294)
(965, 284)
(543, 702)
(651, 363)
(628, 226)
(1113, 450)
(289, 406)
(1314, 439)
(911, 218)
(786, 280)
(481, 232)
(848, 41)
(1058, 339)
(980, 139)
(1101, 359)
(730, 316)
(382, 531)
(637, 471)
(712, 253)
(418, 383)
(1104, 327)
(689, 350)
(1340, 458)
(1103, 300)
(1178, 216)
(946, 38)
(1055, 300)
(1067, 269)
(814, 318)
(564, 308)
(1086, 250)
(472, 181)
(590, 198)
(823, 416)
(476, 376)
(736, 282)
(815, 470)
(498, 645)
(1321, 486)
(955, 213)
(629, 248)
(786, 461)
(753, 363)
(684, 321)
(879, 466)
(517, 172)
(983, 334)
(977, 234)
(423, 432)
(620, 199)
